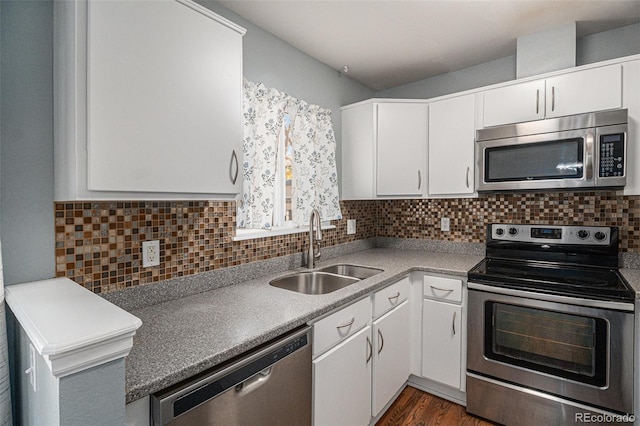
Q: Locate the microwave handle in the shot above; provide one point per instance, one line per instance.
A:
(589, 153)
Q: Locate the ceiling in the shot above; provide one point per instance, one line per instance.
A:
(392, 42)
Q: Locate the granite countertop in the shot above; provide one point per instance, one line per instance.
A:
(633, 278)
(183, 337)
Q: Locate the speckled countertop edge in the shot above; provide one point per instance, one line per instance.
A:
(183, 337)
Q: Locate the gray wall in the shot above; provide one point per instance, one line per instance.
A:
(26, 140)
(617, 43)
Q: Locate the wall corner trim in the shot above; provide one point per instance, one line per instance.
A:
(72, 328)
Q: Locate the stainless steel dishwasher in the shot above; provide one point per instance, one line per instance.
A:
(270, 385)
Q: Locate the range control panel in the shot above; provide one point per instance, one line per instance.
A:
(585, 235)
(611, 155)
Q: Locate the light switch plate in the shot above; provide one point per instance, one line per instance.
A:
(444, 224)
(351, 226)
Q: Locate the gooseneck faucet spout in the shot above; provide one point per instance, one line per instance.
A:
(315, 238)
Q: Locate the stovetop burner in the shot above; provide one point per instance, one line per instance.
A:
(563, 260)
(568, 280)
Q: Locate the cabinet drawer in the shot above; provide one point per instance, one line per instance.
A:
(340, 325)
(440, 288)
(390, 297)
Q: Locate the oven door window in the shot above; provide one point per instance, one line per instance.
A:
(559, 159)
(561, 344)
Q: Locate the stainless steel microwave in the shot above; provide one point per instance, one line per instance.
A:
(578, 151)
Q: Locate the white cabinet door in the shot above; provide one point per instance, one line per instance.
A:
(358, 152)
(514, 104)
(164, 99)
(342, 383)
(451, 146)
(148, 101)
(401, 145)
(631, 101)
(590, 90)
(442, 342)
(595, 89)
(391, 355)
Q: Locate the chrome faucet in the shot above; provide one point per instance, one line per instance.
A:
(312, 254)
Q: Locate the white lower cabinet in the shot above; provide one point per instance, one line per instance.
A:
(342, 382)
(361, 357)
(391, 355)
(441, 342)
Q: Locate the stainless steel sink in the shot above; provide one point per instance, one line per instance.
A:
(313, 282)
(325, 280)
(354, 271)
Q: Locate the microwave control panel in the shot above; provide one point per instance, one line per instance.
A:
(611, 155)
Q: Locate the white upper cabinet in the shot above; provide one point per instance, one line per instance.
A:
(358, 152)
(402, 142)
(148, 101)
(631, 101)
(594, 89)
(514, 104)
(451, 146)
(384, 148)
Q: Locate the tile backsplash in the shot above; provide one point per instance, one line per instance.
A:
(98, 244)
(469, 217)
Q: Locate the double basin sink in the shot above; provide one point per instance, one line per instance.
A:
(325, 280)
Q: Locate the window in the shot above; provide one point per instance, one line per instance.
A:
(289, 161)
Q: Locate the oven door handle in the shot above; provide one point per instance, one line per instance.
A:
(593, 303)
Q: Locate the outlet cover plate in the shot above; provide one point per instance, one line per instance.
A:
(150, 253)
(351, 226)
(444, 224)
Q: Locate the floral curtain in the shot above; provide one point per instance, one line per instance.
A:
(315, 181)
(314, 166)
(263, 115)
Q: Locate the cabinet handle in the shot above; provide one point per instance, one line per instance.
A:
(441, 289)
(370, 347)
(537, 101)
(468, 170)
(453, 323)
(233, 174)
(349, 324)
(419, 179)
(381, 340)
(394, 297)
(553, 98)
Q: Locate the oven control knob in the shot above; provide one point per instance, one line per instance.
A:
(513, 231)
(499, 232)
(600, 236)
(583, 234)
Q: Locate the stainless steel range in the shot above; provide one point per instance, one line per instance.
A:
(551, 327)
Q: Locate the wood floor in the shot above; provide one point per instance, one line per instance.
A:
(416, 408)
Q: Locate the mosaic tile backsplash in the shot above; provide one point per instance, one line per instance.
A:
(99, 244)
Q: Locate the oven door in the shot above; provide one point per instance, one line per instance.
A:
(575, 352)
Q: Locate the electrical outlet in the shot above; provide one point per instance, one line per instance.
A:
(150, 253)
(444, 224)
(351, 226)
